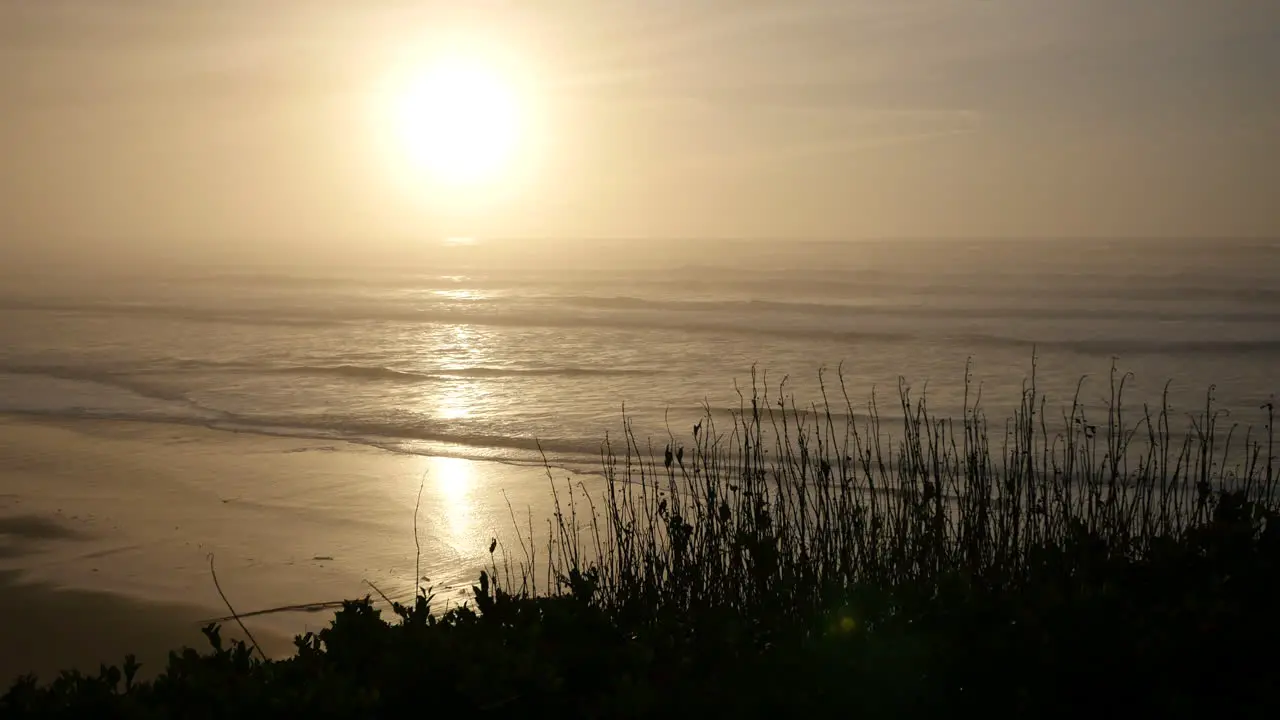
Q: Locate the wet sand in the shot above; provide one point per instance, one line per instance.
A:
(46, 630)
(107, 528)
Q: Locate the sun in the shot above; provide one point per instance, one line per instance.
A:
(459, 120)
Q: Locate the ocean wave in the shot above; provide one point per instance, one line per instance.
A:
(338, 317)
(561, 309)
(583, 455)
(929, 310)
(385, 373)
(641, 313)
(252, 316)
(348, 371)
(135, 379)
(869, 277)
(119, 378)
(740, 325)
(385, 435)
(1120, 348)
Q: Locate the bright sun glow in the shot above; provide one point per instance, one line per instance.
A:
(460, 120)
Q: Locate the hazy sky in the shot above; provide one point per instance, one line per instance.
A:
(176, 125)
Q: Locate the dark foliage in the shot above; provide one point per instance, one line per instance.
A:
(835, 576)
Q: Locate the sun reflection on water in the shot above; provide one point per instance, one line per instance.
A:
(460, 351)
(458, 400)
(459, 294)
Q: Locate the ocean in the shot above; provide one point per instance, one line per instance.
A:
(508, 350)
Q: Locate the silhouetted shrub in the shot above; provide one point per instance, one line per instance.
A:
(793, 566)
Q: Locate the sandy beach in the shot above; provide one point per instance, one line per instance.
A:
(107, 527)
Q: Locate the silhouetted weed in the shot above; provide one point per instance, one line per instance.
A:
(796, 564)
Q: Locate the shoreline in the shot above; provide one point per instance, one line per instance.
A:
(445, 447)
(128, 513)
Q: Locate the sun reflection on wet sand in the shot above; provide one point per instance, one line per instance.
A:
(454, 481)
